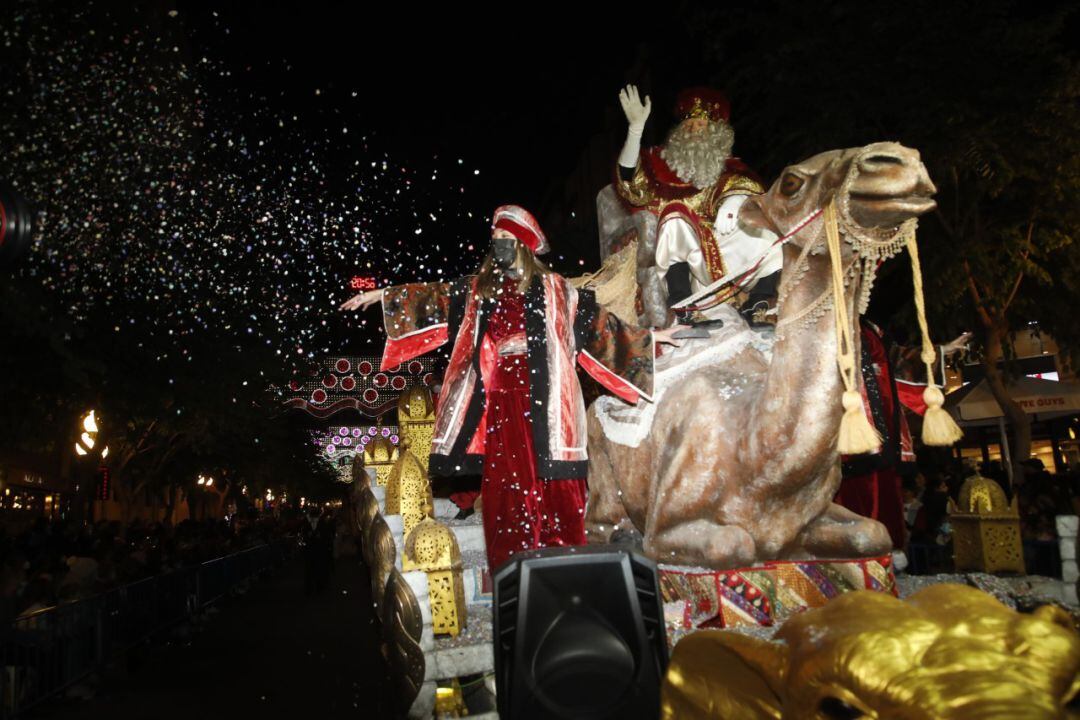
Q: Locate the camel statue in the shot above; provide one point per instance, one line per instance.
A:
(739, 463)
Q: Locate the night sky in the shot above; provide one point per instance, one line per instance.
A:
(521, 94)
(237, 165)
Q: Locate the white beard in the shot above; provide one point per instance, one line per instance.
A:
(698, 157)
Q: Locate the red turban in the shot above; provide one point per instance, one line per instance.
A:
(520, 223)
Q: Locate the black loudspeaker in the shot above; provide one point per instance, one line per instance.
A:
(579, 633)
(15, 225)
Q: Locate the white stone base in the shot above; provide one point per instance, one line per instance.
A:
(445, 509)
(469, 537)
(456, 662)
(1052, 589)
(1068, 548)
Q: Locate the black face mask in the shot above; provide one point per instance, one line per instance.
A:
(504, 252)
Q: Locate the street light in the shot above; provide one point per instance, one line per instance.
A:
(88, 438)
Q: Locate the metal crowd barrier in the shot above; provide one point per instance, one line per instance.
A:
(48, 651)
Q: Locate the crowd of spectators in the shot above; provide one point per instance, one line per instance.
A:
(1041, 497)
(55, 562)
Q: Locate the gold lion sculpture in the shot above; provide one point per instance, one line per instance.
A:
(949, 651)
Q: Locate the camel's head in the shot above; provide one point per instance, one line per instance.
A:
(876, 187)
(950, 651)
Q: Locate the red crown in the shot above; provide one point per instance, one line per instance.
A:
(702, 102)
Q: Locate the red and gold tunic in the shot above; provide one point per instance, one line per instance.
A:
(655, 187)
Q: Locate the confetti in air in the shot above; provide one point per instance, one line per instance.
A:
(182, 202)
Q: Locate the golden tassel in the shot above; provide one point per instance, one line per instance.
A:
(939, 429)
(857, 435)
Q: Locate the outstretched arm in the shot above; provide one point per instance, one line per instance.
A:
(415, 317)
(361, 301)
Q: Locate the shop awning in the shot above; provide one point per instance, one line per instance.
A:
(974, 404)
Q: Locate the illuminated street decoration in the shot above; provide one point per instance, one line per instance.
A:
(88, 438)
(340, 444)
(356, 383)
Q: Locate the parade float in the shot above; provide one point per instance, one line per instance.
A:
(777, 602)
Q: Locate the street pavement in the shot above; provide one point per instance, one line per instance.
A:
(271, 653)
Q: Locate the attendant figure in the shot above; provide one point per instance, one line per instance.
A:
(872, 483)
(511, 406)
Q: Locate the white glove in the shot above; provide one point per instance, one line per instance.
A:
(727, 218)
(636, 113)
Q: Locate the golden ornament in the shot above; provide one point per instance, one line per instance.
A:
(986, 529)
(949, 651)
(433, 548)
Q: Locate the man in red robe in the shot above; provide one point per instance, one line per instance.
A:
(695, 187)
(511, 406)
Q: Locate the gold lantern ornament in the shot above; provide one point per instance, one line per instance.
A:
(416, 418)
(986, 529)
(432, 547)
(380, 454)
(449, 700)
(408, 492)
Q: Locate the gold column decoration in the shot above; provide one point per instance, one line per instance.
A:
(408, 490)
(416, 418)
(432, 547)
(380, 454)
(380, 555)
(402, 625)
(986, 529)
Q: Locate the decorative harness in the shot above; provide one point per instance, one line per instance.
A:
(871, 246)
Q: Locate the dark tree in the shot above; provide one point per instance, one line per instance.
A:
(989, 92)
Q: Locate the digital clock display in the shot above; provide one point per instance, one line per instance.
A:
(362, 282)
